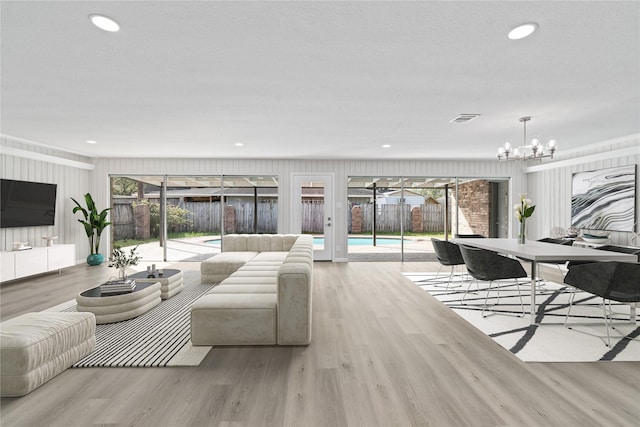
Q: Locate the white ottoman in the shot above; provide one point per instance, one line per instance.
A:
(36, 347)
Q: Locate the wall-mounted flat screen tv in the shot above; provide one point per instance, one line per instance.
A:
(26, 204)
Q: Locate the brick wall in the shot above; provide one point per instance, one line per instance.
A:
(474, 204)
(416, 220)
(356, 219)
(229, 219)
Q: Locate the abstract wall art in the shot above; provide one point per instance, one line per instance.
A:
(604, 199)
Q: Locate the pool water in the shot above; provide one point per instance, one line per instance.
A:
(363, 241)
(353, 241)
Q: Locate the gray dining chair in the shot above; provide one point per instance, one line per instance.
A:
(489, 266)
(448, 255)
(566, 242)
(557, 264)
(612, 281)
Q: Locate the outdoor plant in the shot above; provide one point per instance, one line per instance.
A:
(523, 210)
(94, 223)
(121, 260)
(177, 217)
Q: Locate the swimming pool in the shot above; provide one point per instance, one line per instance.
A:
(353, 241)
(363, 241)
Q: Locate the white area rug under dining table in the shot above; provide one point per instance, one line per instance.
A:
(548, 340)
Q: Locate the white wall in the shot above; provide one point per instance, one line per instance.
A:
(550, 184)
(29, 162)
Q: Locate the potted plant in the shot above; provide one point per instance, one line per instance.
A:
(121, 260)
(94, 223)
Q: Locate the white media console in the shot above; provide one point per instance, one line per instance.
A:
(18, 264)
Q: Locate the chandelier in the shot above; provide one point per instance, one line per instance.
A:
(532, 151)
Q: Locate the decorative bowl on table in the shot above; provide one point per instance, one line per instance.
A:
(595, 237)
(596, 233)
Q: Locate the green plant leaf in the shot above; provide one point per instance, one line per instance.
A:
(94, 222)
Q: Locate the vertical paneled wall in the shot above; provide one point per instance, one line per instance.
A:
(284, 169)
(550, 185)
(71, 173)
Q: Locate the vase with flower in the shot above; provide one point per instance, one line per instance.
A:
(523, 210)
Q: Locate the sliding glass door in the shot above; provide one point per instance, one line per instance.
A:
(394, 218)
(193, 207)
(136, 215)
(183, 217)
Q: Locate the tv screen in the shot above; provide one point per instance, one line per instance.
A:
(26, 204)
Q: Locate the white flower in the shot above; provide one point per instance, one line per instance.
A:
(524, 209)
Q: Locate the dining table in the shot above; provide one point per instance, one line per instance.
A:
(536, 252)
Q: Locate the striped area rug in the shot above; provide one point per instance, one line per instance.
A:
(159, 337)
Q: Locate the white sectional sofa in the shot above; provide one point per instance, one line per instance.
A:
(264, 295)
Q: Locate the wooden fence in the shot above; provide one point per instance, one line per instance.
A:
(122, 226)
(202, 218)
(389, 216)
(205, 217)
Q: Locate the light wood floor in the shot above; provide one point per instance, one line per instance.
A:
(384, 353)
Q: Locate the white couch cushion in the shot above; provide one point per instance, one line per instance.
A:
(222, 265)
(234, 319)
(244, 289)
(270, 256)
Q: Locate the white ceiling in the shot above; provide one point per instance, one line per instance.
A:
(317, 80)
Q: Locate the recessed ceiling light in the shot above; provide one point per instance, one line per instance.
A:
(239, 144)
(91, 141)
(104, 23)
(522, 31)
(386, 146)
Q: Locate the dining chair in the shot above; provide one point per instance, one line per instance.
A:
(558, 264)
(612, 281)
(448, 255)
(489, 266)
(566, 242)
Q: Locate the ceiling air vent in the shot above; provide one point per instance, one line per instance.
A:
(464, 118)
